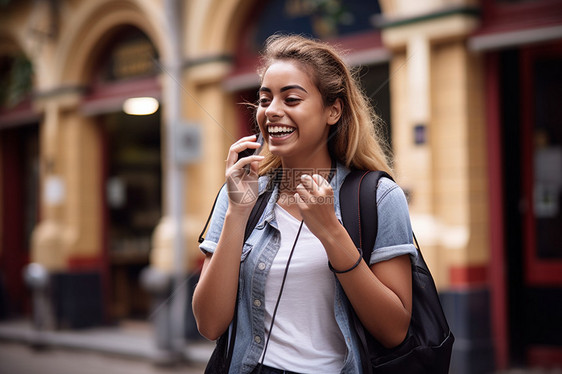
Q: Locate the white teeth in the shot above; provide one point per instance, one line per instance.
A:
(280, 129)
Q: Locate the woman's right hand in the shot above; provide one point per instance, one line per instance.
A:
(241, 182)
(214, 298)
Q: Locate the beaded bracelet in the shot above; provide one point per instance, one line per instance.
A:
(351, 268)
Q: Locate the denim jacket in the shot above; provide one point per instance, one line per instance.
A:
(394, 238)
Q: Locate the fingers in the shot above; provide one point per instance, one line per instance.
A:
(245, 143)
(314, 184)
(253, 161)
(313, 190)
(255, 166)
(321, 181)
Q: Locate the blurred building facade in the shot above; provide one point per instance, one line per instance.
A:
(469, 92)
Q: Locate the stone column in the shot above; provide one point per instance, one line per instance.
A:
(67, 242)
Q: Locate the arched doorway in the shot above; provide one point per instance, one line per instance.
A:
(131, 165)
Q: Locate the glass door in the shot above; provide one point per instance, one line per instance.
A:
(541, 120)
(542, 177)
(133, 190)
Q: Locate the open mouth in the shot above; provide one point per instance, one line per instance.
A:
(279, 131)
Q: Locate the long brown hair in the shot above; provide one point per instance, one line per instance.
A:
(356, 139)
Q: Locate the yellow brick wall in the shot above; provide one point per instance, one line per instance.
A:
(446, 178)
(459, 152)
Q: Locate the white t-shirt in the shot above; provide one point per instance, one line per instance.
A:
(305, 337)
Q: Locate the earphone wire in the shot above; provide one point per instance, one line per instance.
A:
(279, 297)
(330, 177)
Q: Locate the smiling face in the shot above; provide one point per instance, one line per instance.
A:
(291, 114)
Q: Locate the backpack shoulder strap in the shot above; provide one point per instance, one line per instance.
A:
(256, 213)
(358, 205)
(358, 196)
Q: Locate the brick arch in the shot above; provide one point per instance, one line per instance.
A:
(92, 29)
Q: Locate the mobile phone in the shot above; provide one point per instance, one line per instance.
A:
(250, 151)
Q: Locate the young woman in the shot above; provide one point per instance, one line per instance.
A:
(316, 124)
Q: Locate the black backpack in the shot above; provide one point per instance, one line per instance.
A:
(429, 342)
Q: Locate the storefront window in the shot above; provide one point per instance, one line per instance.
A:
(548, 157)
(321, 19)
(133, 185)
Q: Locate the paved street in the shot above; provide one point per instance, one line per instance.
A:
(126, 349)
(16, 358)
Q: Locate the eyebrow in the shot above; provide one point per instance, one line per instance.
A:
(283, 89)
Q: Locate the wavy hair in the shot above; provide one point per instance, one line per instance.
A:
(356, 139)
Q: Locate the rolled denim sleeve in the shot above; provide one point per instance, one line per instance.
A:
(217, 221)
(394, 236)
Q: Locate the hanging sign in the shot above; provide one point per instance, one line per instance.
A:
(187, 138)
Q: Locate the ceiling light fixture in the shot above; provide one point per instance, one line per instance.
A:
(140, 106)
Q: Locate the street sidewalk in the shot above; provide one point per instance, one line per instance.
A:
(134, 339)
(131, 338)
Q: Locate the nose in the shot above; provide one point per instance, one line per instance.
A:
(274, 110)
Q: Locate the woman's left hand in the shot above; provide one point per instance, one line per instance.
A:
(315, 199)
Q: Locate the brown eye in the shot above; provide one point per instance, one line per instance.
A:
(264, 101)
